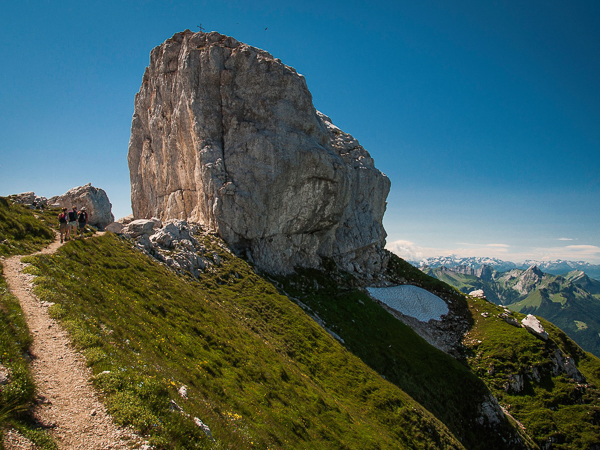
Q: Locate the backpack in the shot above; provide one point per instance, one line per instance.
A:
(72, 216)
(82, 217)
(62, 218)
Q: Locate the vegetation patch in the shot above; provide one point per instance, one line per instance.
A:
(23, 230)
(445, 386)
(227, 351)
(521, 370)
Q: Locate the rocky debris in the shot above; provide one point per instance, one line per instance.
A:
(515, 383)
(490, 412)
(507, 317)
(174, 244)
(93, 199)
(29, 199)
(565, 364)
(478, 293)
(534, 326)
(226, 136)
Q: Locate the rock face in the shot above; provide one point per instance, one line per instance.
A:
(95, 201)
(225, 135)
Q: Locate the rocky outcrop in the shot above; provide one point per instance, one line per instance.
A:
(175, 244)
(94, 200)
(226, 136)
(30, 199)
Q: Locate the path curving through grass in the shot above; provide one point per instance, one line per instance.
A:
(67, 404)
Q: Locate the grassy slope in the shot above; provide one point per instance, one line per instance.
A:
(25, 233)
(439, 382)
(567, 311)
(259, 372)
(556, 408)
(565, 306)
(21, 232)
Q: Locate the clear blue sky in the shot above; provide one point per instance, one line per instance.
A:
(485, 115)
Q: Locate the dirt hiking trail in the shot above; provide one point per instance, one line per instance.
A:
(66, 403)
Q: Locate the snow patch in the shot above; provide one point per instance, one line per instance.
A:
(411, 301)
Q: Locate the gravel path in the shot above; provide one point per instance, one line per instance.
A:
(67, 403)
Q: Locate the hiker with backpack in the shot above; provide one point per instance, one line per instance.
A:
(82, 219)
(72, 218)
(63, 225)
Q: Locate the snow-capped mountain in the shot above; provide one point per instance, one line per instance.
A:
(557, 267)
(474, 262)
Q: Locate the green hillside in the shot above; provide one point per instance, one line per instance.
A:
(259, 372)
(555, 410)
(563, 300)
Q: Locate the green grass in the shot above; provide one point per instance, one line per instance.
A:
(17, 396)
(555, 408)
(439, 382)
(22, 230)
(258, 371)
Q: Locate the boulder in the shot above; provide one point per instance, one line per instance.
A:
(114, 227)
(141, 226)
(226, 136)
(534, 326)
(93, 199)
(478, 293)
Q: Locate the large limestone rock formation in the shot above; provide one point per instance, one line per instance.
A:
(225, 135)
(95, 201)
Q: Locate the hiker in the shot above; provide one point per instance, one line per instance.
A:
(82, 218)
(72, 223)
(63, 225)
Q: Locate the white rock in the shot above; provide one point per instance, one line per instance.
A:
(533, 325)
(478, 293)
(140, 227)
(226, 136)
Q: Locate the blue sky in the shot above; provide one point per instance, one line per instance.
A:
(484, 115)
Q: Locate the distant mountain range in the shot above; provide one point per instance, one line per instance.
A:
(557, 267)
(571, 301)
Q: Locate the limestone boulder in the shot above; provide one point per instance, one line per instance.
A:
(95, 201)
(226, 136)
(141, 226)
(535, 327)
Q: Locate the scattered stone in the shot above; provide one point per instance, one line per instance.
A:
(534, 326)
(183, 392)
(507, 317)
(204, 428)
